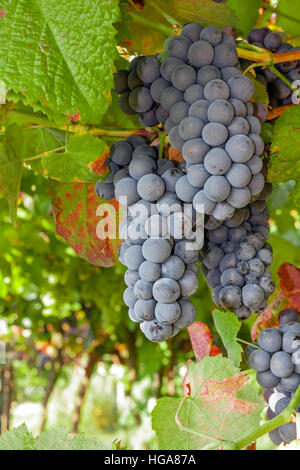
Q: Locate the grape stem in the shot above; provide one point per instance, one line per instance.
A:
(246, 342)
(162, 136)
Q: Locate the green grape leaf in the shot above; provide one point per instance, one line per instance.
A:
(142, 37)
(17, 439)
(223, 405)
(246, 14)
(228, 326)
(79, 216)
(64, 53)
(74, 164)
(17, 146)
(58, 439)
(284, 162)
(290, 22)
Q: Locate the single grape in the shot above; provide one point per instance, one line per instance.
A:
(149, 271)
(272, 41)
(231, 297)
(270, 340)
(175, 139)
(157, 87)
(212, 35)
(190, 128)
(217, 162)
(169, 97)
(220, 111)
(141, 166)
(184, 190)
(213, 278)
(150, 187)
(179, 47)
(179, 111)
(290, 342)
(213, 257)
(121, 152)
(218, 235)
(228, 261)
(124, 104)
(231, 277)
(193, 93)
(166, 290)
(216, 89)
(140, 99)
(290, 383)
(191, 31)
(281, 364)
(129, 297)
(240, 108)
(188, 283)
(156, 331)
(148, 69)
(161, 115)
(182, 250)
(259, 360)
(225, 55)
(164, 165)
(200, 53)
(215, 134)
(120, 81)
(202, 203)
(167, 313)
(131, 277)
(183, 77)
(228, 72)
(217, 188)
(188, 314)
(173, 268)
(143, 289)
(156, 250)
(238, 125)
(144, 309)
(168, 204)
(266, 379)
(197, 175)
(287, 315)
(241, 88)
(207, 73)
(126, 191)
(105, 191)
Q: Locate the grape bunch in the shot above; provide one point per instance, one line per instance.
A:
(211, 121)
(157, 236)
(120, 156)
(277, 362)
(135, 87)
(279, 92)
(236, 259)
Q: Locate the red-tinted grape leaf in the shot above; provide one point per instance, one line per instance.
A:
(223, 405)
(78, 213)
(201, 339)
(290, 284)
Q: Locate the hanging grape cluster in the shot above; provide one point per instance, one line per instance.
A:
(276, 358)
(196, 91)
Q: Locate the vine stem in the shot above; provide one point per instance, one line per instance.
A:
(75, 128)
(247, 342)
(36, 157)
(284, 417)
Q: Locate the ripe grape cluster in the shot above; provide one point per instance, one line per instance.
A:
(157, 235)
(279, 92)
(210, 120)
(135, 85)
(277, 362)
(236, 259)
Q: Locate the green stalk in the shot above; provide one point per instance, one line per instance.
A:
(246, 342)
(70, 127)
(162, 136)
